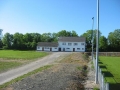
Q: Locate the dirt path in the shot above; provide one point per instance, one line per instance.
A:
(9, 75)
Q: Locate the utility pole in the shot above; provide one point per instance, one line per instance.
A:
(92, 37)
(97, 43)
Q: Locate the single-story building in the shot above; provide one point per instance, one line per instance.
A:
(47, 46)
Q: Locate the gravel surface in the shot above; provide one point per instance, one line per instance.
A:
(59, 77)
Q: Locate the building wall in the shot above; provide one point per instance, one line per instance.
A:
(66, 46)
(47, 48)
(54, 48)
(39, 48)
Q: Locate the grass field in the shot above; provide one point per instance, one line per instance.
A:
(11, 59)
(111, 69)
(11, 54)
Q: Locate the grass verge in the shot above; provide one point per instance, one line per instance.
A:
(25, 75)
(8, 65)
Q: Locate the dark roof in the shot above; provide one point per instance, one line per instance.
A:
(71, 39)
(48, 44)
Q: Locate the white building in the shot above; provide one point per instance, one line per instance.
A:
(75, 44)
(47, 46)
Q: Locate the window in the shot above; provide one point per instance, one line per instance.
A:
(78, 48)
(67, 48)
(82, 48)
(55, 48)
(82, 44)
(75, 44)
(69, 44)
(63, 43)
(46, 47)
(38, 47)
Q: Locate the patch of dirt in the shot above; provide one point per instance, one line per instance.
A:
(64, 75)
(90, 82)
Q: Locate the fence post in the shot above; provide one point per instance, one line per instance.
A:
(100, 80)
(103, 81)
(107, 86)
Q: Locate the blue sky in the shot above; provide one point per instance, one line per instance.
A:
(43, 16)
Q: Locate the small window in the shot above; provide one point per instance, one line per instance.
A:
(75, 44)
(63, 43)
(55, 48)
(38, 47)
(67, 48)
(69, 44)
(82, 48)
(82, 44)
(46, 47)
(78, 48)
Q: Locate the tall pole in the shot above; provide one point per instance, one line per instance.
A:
(97, 43)
(92, 37)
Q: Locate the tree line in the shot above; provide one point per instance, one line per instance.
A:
(28, 41)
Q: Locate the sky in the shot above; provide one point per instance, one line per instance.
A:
(43, 16)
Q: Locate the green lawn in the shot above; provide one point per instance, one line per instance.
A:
(25, 55)
(111, 67)
(12, 58)
(8, 65)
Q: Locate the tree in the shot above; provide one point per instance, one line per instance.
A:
(103, 43)
(114, 40)
(7, 41)
(1, 44)
(74, 33)
(88, 34)
(64, 33)
(18, 41)
(46, 37)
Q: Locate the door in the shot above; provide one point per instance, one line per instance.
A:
(73, 49)
(42, 48)
(59, 49)
(50, 49)
(63, 49)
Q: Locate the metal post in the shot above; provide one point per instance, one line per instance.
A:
(92, 37)
(97, 43)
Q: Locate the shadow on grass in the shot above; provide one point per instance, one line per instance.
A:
(103, 67)
(107, 74)
(99, 62)
(114, 86)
